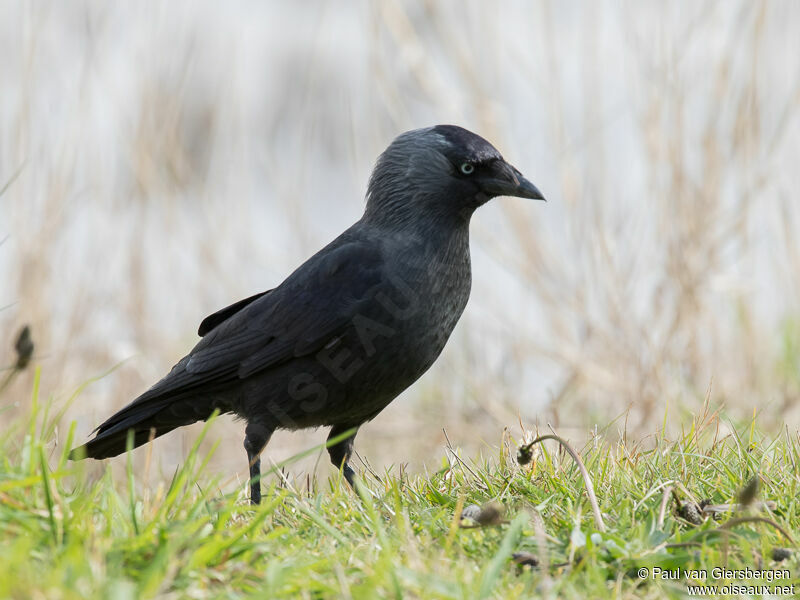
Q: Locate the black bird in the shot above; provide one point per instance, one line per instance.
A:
(353, 326)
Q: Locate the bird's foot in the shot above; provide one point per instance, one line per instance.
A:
(349, 475)
(255, 493)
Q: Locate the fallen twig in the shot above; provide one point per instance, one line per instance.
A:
(587, 481)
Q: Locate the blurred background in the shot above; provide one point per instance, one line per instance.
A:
(160, 160)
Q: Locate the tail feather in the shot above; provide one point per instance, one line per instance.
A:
(147, 420)
(106, 446)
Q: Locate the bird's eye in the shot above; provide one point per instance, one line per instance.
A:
(467, 168)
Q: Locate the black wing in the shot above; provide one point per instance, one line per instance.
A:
(297, 318)
(224, 314)
(311, 307)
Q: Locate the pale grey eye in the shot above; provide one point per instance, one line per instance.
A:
(467, 168)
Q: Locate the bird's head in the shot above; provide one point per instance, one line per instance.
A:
(442, 170)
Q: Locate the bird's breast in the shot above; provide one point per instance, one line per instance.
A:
(432, 294)
(394, 336)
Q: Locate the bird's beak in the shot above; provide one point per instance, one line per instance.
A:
(508, 181)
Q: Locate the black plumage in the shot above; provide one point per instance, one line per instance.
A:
(354, 325)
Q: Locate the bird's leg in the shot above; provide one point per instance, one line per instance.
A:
(256, 437)
(341, 452)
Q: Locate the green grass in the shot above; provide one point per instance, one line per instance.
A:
(64, 536)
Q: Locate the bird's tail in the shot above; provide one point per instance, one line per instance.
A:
(146, 418)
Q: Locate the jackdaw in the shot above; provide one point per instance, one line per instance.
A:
(353, 326)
